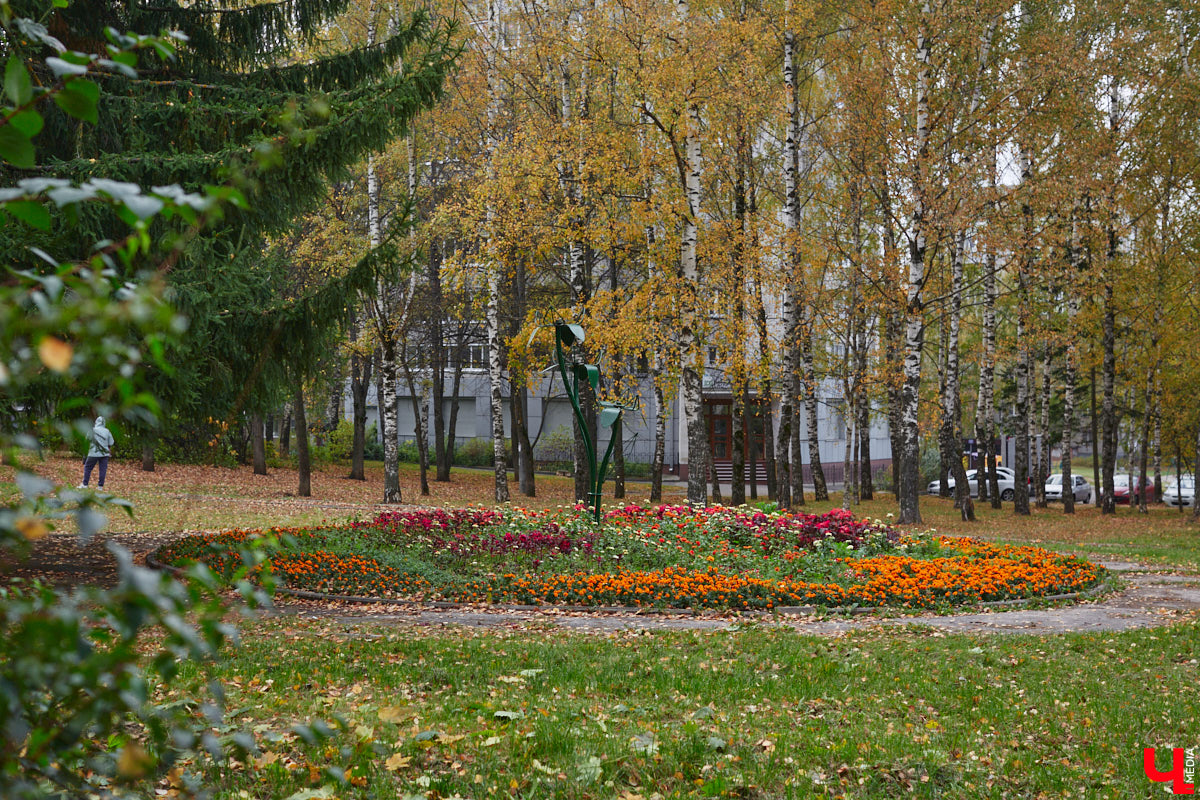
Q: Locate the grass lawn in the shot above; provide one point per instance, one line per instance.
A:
(1163, 536)
(761, 712)
(189, 497)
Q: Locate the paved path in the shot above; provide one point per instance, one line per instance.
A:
(1149, 597)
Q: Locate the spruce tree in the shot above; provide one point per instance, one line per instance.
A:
(254, 100)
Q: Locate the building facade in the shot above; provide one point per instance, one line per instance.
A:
(550, 418)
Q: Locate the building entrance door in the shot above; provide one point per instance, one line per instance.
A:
(720, 429)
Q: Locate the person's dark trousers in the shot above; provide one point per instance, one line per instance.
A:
(92, 461)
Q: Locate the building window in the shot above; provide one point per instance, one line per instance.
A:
(472, 356)
(837, 421)
(712, 356)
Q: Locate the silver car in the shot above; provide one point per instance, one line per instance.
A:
(1005, 477)
(1181, 494)
(1082, 489)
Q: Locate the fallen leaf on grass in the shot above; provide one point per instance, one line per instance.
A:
(395, 714)
(324, 793)
(397, 761)
(644, 743)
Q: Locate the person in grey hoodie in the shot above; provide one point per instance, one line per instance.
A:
(101, 441)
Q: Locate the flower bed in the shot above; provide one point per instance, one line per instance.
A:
(670, 557)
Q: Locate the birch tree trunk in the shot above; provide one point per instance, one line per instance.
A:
(1108, 335)
(1023, 378)
(950, 432)
(1144, 456)
(986, 432)
(692, 373)
(1108, 413)
(797, 474)
(495, 361)
(389, 421)
(788, 307)
(1043, 465)
(1158, 495)
(1072, 357)
(914, 326)
(420, 410)
(1021, 459)
(383, 312)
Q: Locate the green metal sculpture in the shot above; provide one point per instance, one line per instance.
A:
(565, 335)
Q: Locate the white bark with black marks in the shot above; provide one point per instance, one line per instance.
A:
(1070, 370)
(785, 465)
(951, 438)
(495, 359)
(914, 324)
(691, 355)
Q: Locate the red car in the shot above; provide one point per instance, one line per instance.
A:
(1121, 493)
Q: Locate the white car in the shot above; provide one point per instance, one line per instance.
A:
(1006, 479)
(1082, 489)
(1181, 494)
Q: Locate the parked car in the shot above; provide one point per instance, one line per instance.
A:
(1082, 490)
(1121, 493)
(1181, 494)
(1006, 480)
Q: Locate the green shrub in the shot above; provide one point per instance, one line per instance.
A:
(409, 454)
(373, 447)
(881, 479)
(476, 453)
(637, 469)
(340, 441)
(556, 446)
(931, 464)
